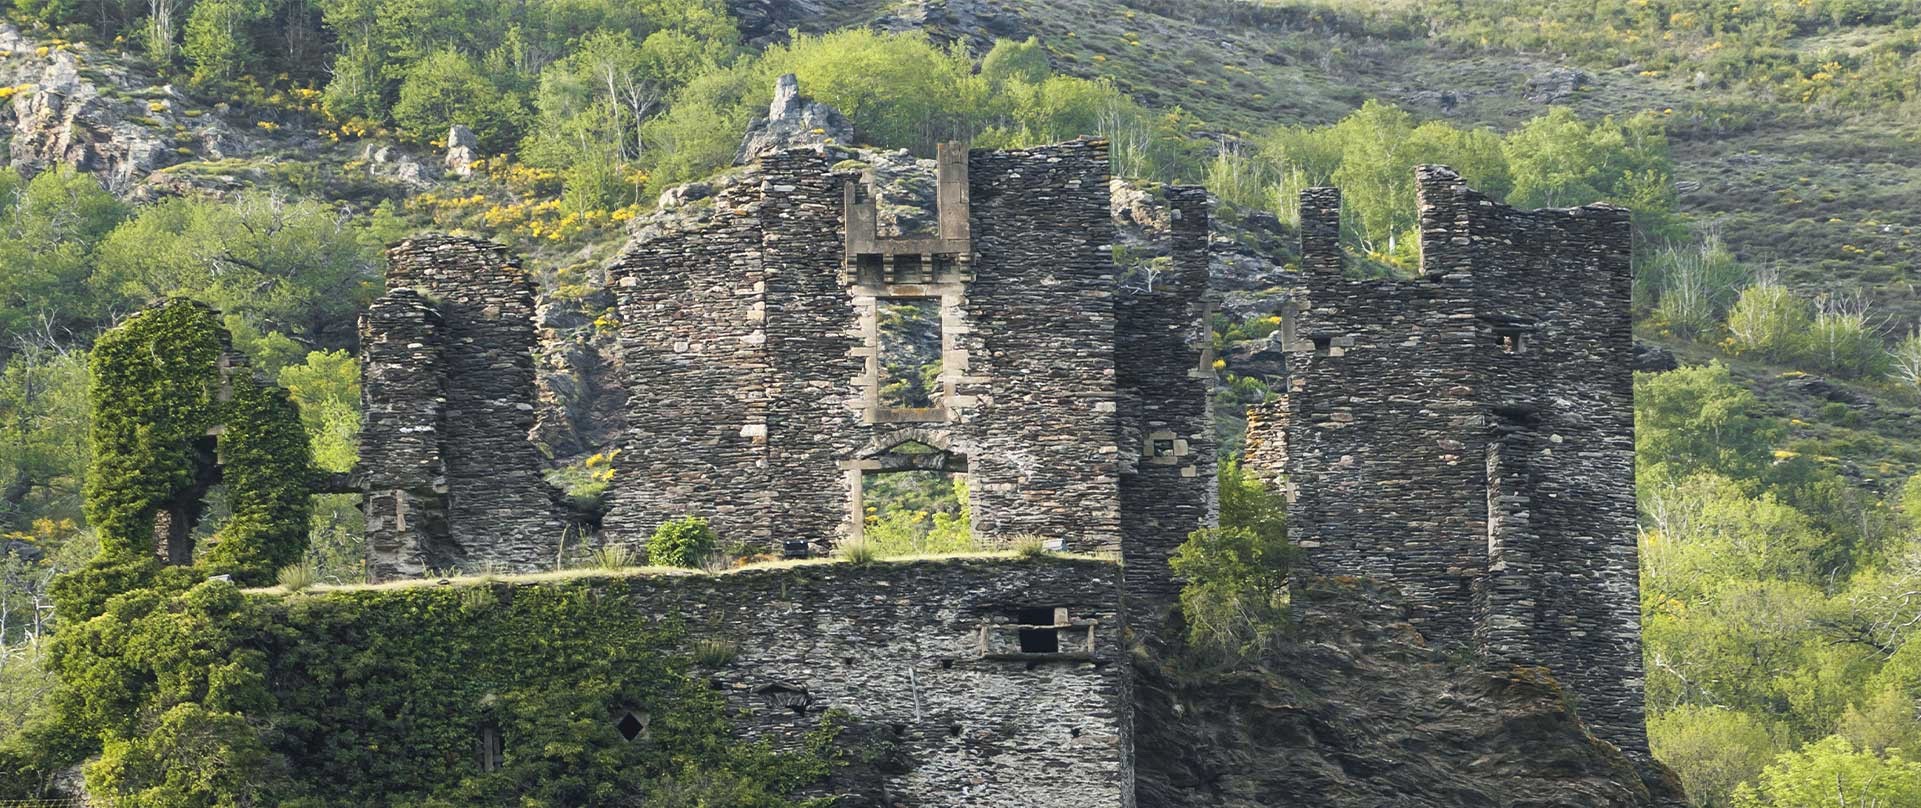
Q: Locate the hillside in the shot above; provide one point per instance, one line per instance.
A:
(1771, 149)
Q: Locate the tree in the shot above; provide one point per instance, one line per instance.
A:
(1234, 591)
(1770, 321)
(447, 88)
(1698, 419)
(48, 228)
(299, 268)
(217, 42)
(1713, 749)
(1831, 773)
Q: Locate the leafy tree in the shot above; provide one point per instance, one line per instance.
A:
(1235, 590)
(43, 429)
(299, 268)
(1008, 60)
(48, 227)
(1698, 419)
(1705, 530)
(1713, 749)
(1831, 773)
(448, 88)
(216, 38)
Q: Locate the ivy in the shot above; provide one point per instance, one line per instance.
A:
(267, 468)
(156, 384)
(379, 697)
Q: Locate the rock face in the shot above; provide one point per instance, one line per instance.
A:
(1354, 710)
(793, 120)
(1554, 86)
(463, 148)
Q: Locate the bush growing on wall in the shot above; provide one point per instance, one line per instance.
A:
(683, 542)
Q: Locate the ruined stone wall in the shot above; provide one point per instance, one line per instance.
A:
(403, 403)
(1042, 304)
(1552, 305)
(497, 511)
(1168, 455)
(695, 364)
(814, 411)
(1382, 452)
(1468, 435)
(929, 650)
(751, 344)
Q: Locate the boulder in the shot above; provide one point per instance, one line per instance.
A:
(1556, 85)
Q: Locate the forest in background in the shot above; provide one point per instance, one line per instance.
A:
(1781, 532)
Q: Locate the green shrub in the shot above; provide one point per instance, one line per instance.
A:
(1235, 593)
(1768, 320)
(683, 542)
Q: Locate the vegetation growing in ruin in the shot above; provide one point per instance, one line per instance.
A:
(256, 692)
(1234, 598)
(683, 542)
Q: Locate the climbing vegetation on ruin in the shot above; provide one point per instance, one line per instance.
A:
(254, 689)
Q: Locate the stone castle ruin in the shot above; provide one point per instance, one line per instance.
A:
(1465, 435)
(1469, 435)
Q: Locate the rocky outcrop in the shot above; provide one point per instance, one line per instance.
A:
(98, 118)
(1355, 710)
(463, 148)
(793, 120)
(1556, 85)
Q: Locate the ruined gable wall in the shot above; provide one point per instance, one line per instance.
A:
(1168, 458)
(1562, 582)
(695, 364)
(1382, 457)
(500, 512)
(1042, 304)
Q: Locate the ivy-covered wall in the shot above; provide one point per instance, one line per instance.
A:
(879, 684)
(175, 411)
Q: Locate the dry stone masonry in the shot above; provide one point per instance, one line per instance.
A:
(753, 358)
(1465, 435)
(447, 382)
(1468, 434)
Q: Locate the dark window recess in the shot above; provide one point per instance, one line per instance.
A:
(1035, 640)
(869, 268)
(1163, 448)
(631, 726)
(1514, 343)
(489, 749)
(1323, 344)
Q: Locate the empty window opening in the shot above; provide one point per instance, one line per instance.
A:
(868, 268)
(632, 725)
(915, 512)
(1037, 632)
(909, 372)
(489, 748)
(1323, 344)
(1513, 342)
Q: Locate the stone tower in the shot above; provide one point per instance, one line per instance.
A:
(1468, 434)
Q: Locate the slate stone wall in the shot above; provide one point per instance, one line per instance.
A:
(1042, 303)
(493, 509)
(749, 341)
(1468, 435)
(1168, 452)
(695, 364)
(403, 403)
(928, 650)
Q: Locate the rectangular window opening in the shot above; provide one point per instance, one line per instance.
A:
(1037, 632)
(489, 749)
(868, 268)
(910, 353)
